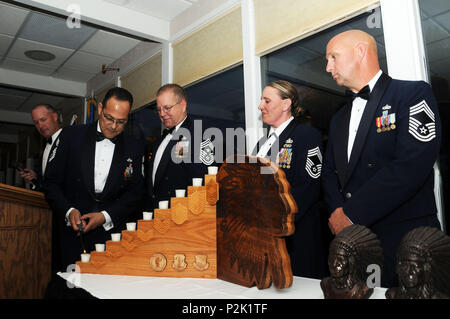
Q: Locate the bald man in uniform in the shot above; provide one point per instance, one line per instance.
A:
(378, 166)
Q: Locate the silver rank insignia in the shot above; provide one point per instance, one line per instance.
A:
(422, 122)
(207, 152)
(314, 162)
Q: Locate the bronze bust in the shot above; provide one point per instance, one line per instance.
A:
(423, 266)
(351, 252)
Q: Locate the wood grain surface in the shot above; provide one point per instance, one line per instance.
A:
(254, 214)
(25, 243)
(178, 242)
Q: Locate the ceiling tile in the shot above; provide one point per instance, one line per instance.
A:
(73, 75)
(14, 92)
(109, 44)
(21, 45)
(27, 67)
(441, 66)
(11, 102)
(54, 31)
(444, 20)
(5, 41)
(163, 9)
(433, 31)
(37, 98)
(434, 7)
(438, 50)
(87, 62)
(318, 42)
(11, 18)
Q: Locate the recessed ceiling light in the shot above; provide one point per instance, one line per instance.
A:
(40, 55)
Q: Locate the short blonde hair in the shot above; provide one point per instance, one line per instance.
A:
(286, 90)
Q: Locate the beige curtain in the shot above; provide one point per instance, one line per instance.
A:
(144, 81)
(283, 21)
(214, 47)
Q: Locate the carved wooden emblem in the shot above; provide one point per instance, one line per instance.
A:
(179, 214)
(179, 262)
(255, 211)
(144, 236)
(162, 222)
(128, 241)
(113, 255)
(196, 201)
(212, 191)
(158, 262)
(201, 262)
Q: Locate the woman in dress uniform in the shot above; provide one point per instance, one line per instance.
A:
(297, 150)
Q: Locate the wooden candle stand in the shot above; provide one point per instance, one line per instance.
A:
(244, 244)
(178, 242)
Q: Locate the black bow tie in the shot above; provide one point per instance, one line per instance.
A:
(364, 93)
(49, 140)
(167, 131)
(101, 137)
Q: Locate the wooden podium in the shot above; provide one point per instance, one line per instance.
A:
(25, 243)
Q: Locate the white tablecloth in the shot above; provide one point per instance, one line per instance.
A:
(139, 287)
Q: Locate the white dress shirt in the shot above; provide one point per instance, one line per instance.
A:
(358, 107)
(273, 135)
(47, 149)
(162, 148)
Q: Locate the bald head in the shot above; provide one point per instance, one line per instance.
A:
(352, 59)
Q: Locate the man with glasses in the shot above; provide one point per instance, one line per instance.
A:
(94, 182)
(174, 162)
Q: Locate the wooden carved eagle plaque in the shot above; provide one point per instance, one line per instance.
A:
(254, 214)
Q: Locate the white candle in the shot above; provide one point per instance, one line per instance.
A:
(180, 192)
(212, 170)
(99, 247)
(115, 236)
(85, 258)
(164, 204)
(131, 226)
(197, 181)
(147, 215)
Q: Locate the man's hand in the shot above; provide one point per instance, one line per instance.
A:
(75, 219)
(338, 221)
(28, 175)
(94, 220)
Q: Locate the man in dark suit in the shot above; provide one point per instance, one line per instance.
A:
(95, 183)
(46, 121)
(180, 154)
(378, 167)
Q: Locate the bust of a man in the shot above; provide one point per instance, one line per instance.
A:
(423, 265)
(351, 251)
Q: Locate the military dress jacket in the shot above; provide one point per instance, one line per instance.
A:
(389, 177)
(69, 182)
(186, 156)
(298, 152)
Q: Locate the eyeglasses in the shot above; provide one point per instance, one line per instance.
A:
(166, 108)
(110, 120)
